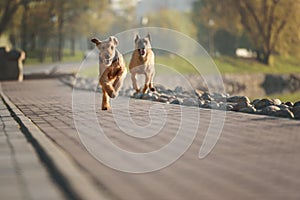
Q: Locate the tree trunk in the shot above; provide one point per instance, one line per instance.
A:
(72, 46)
(264, 57)
(24, 32)
(60, 32)
(9, 10)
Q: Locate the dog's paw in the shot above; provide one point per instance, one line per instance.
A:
(137, 91)
(152, 89)
(106, 107)
(114, 94)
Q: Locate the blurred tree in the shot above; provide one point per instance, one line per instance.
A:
(73, 20)
(223, 32)
(271, 25)
(165, 18)
(7, 10)
(176, 20)
(266, 22)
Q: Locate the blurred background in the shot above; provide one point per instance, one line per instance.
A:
(254, 43)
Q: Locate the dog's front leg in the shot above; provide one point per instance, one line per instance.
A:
(107, 86)
(134, 82)
(152, 88)
(147, 83)
(105, 100)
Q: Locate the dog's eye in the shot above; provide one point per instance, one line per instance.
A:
(112, 47)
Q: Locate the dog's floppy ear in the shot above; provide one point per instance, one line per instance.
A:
(148, 36)
(114, 39)
(137, 37)
(96, 41)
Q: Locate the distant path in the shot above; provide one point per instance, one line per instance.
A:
(62, 67)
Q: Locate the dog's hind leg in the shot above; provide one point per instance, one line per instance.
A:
(134, 82)
(105, 101)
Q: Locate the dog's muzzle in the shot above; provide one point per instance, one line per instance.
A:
(142, 52)
(107, 62)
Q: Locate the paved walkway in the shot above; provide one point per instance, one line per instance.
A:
(22, 175)
(256, 157)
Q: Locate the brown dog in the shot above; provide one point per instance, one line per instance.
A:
(142, 62)
(112, 70)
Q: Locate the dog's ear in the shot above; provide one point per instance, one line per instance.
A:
(148, 36)
(114, 39)
(137, 37)
(96, 41)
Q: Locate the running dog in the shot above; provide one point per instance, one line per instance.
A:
(142, 62)
(112, 70)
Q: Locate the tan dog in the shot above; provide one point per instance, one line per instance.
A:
(142, 62)
(112, 70)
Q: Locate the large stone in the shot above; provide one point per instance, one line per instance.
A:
(255, 101)
(190, 102)
(162, 100)
(283, 106)
(238, 99)
(270, 110)
(223, 106)
(146, 96)
(296, 112)
(219, 97)
(198, 93)
(178, 89)
(206, 96)
(285, 113)
(214, 105)
(263, 103)
(249, 109)
(138, 95)
(160, 88)
(297, 104)
(276, 102)
(289, 104)
(241, 105)
(175, 101)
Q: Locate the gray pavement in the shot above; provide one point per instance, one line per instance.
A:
(22, 175)
(256, 157)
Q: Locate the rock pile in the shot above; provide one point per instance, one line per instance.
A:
(271, 107)
(197, 98)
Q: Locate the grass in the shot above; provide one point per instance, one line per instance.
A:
(66, 58)
(176, 64)
(225, 64)
(294, 97)
(282, 65)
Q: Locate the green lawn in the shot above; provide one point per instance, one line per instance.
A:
(282, 65)
(67, 58)
(224, 64)
(286, 97)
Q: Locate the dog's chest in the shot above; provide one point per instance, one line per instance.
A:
(142, 69)
(102, 69)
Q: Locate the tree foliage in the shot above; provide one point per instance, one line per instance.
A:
(271, 25)
(165, 18)
(45, 26)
